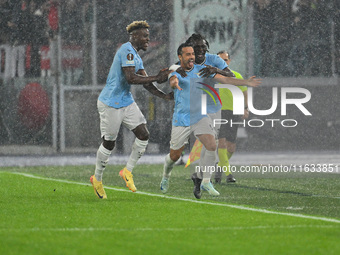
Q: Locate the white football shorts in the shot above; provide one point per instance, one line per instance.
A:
(112, 118)
(215, 116)
(180, 135)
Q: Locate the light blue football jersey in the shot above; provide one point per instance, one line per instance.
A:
(116, 92)
(188, 102)
(213, 105)
(214, 60)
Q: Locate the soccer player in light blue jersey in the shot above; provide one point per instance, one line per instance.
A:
(210, 64)
(116, 105)
(187, 118)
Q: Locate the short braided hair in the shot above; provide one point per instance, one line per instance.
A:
(196, 36)
(137, 25)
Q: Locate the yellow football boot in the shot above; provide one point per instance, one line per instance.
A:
(128, 178)
(98, 188)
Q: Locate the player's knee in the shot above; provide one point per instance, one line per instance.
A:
(144, 136)
(175, 155)
(211, 147)
(141, 132)
(109, 145)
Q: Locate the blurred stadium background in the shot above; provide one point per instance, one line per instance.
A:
(63, 51)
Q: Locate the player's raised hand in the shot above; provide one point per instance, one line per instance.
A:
(174, 83)
(207, 71)
(162, 76)
(254, 82)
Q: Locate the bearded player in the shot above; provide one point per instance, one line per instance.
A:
(187, 118)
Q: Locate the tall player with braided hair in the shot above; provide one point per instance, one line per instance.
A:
(116, 105)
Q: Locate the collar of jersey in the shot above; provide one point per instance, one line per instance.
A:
(190, 69)
(134, 48)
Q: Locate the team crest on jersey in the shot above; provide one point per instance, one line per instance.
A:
(129, 59)
(129, 56)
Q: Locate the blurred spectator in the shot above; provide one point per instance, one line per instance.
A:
(5, 18)
(71, 22)
(38, 36)
(312, 29)
(263, 16)
(5, 49)
(53, 17)
(19, 34)
(303, 14)
(282, 34)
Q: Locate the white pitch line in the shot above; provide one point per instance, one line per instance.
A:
(187, 200)
(164, 229)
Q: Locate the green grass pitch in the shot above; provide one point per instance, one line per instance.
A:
(53, 210)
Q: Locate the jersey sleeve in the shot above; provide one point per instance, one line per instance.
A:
(173, 74)
(219, 62)
(173, 68)
(128, 57)
(141, 66)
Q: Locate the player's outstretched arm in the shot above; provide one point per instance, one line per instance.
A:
(142, 78)
(209, 70)
(163, 74)
(154, 90)
(251, 82)
(226, 72)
